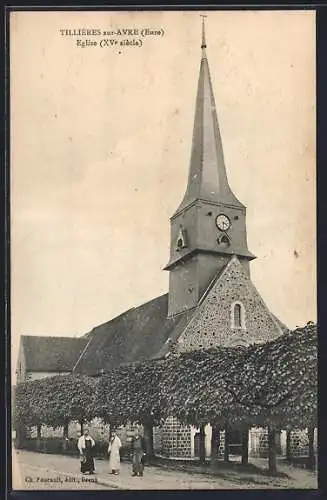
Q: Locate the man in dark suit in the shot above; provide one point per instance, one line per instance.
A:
(138, 453)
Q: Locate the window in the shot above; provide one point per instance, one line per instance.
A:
(237, 316)
(181, 240)
(223, 241)
(180, 243)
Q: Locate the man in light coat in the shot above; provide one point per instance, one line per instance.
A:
(114, 453)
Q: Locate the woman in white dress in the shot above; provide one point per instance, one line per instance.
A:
(114, 453)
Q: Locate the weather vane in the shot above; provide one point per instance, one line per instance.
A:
(203, 46)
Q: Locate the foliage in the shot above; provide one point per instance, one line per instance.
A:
(278, 380)
(56, 400)
(71, 397)
(271, 384)
(131, 393)
(25, 411)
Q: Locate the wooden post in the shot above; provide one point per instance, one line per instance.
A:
(288, 445)
(311, 460)
(202, 445)
(272, 455)
(245, 446)
(227, 441)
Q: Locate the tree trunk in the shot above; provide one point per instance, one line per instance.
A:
(311, 460)
(215, 442)
(65, 441)
(66, 430)
(148, 437)
(202, 445)
(227, 440)
(278, 442)
(245, 446)
(38, 437)
(21, 435)
(82, 426)
(272, 455)
(288, 446)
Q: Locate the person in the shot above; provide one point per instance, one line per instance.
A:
(138, 454)
(85, 445)
(114, 453)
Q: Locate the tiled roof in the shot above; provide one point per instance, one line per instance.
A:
(136, 335)
(51, 353)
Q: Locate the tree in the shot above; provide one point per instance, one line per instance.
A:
(131, 393)
(202, 445)
(215, 443)
(55, 401)
(272, 452)
(70, 397)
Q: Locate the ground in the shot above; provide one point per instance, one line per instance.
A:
(41, 471)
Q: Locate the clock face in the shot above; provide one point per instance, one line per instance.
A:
(223, 222)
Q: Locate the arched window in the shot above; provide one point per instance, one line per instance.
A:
(223, 241)
(238, 316)
(181, 240)
(180, 243)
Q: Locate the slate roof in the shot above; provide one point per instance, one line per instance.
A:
(47, 354)
(136, 335)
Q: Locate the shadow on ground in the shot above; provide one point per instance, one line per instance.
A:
(230, 471)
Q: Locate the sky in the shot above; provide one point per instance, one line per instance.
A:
(100, 149)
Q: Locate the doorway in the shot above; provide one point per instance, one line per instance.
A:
(235, 442)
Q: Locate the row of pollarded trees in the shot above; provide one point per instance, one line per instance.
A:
(271, 385)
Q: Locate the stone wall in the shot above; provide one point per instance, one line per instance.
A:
(299, 443)
(221, 449)
(212, 323)
(175, 439)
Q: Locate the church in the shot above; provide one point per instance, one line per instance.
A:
(211, 299)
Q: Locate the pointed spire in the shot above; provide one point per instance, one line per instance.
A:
(207, 174)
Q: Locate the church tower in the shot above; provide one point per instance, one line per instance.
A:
(209, 225)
